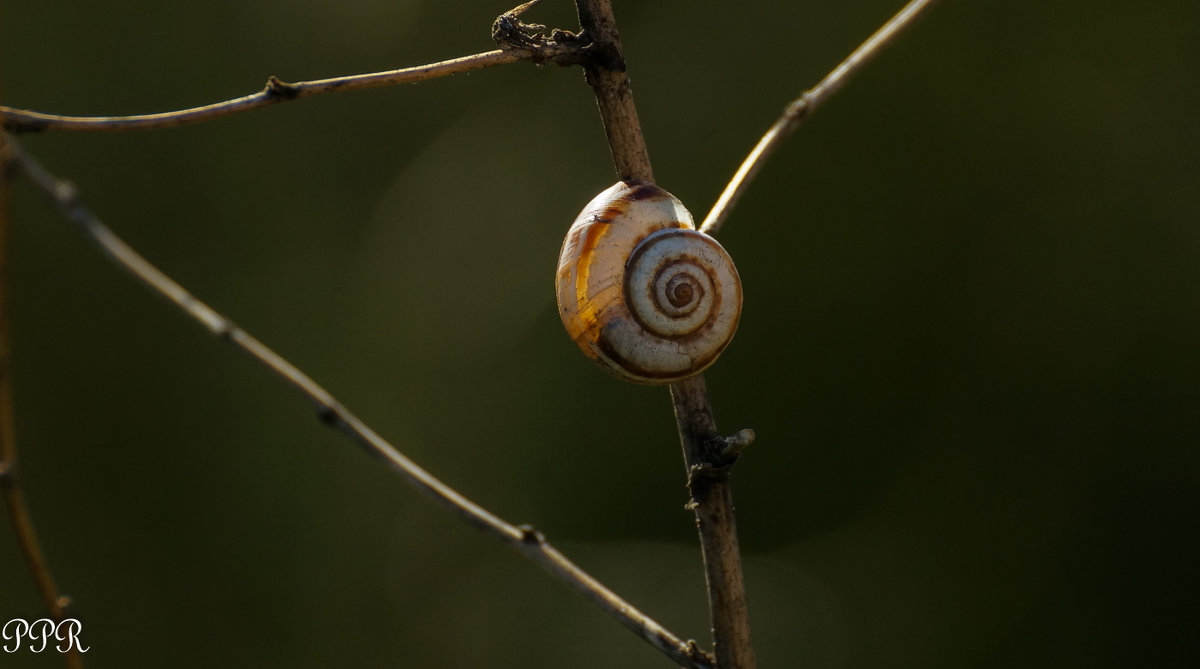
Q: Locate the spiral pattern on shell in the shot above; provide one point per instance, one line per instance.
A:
(642, 292)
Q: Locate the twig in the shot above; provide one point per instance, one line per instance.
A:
(605, 73)
(711, 499)
(565, 52)
(524, 539)
(14, 498)
(800, 108)
(708, 467)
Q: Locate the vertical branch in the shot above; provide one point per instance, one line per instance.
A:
(707, 465)
(14, 498)
(605, 73)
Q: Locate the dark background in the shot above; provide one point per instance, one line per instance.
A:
(969, 346)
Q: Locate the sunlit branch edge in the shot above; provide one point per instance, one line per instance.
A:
(276, 91)
(800, 108)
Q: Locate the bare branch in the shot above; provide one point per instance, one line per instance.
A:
(524, 539)
(800, 108)
(566, 51)
(708, 465)
(711, 500)
(14, 497)
(605, 73)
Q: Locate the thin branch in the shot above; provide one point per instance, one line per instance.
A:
(711, 499)
(566, 52)
(524, 539)
(10, 486)
(802, 107)
(605, 73)
(708, 460)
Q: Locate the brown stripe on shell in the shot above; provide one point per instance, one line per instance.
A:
(629, 369)
(643, 191)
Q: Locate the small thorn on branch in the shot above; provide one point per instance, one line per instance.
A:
(736, 443)
(277, 88)
(329, 415)
(530, 535)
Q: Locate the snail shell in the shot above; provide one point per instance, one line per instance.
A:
(641, 291)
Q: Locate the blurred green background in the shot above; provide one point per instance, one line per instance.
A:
(969, 346)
